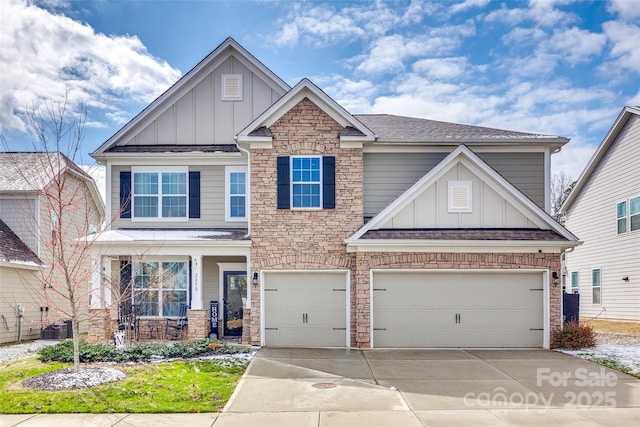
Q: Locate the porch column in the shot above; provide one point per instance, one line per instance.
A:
(100, 278)
(196, 282)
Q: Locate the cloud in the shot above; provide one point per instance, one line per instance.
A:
(576, 45)
(540, 12)
(626, 9)
(467, 4)
(441, 68)
(625, 47)
(47, 57)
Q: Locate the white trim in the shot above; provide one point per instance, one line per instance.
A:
(224, 79)
(547, 182)
(228, 170)
(455, 190)
(458, 246)
(591, 287)
(476, 165)
(192, 158)
(291, 183)
(288, 271)
(21, 265)
(109, 216)
(351, 143)
(545, 285)
(159, 170)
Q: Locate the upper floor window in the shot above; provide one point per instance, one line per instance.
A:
(159, 192)
(628, 215)
(306, 182)
(236, 193)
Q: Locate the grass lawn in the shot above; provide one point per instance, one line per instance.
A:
(612, 326)
(180, 386)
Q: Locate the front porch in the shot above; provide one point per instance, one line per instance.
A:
(157, 272)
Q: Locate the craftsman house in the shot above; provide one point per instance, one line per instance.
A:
(310, 226)
(603, 209)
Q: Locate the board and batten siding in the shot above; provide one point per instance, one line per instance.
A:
(387, 175)
(592, 218)
(431, 209)
(200, 116)
(212, 202)
(19, 213)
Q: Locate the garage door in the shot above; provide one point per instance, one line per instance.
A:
(305, 309)
(428, 309)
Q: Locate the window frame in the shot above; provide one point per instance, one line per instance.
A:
(625, 217)
(227, 193)
(160, 287)
(575, 285)
(319, 183)
(598, 287)
(159, 171)
(632, 215)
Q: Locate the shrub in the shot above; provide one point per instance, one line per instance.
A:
(63, 352)
(574, 335)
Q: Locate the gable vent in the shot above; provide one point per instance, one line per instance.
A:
(232, 87)
(459, 196)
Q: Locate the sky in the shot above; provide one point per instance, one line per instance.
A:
(558, 67)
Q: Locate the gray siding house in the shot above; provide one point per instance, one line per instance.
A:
(312, 226)
(603, 210)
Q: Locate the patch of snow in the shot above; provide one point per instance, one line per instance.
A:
(623, 349)
(65, 379)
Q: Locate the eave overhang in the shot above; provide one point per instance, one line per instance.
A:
(475, 246)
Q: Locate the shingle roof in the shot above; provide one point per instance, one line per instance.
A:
(465, 234)
(24, 171)
(171, 148)
(14, 250)
(396, 128)
(261, 131)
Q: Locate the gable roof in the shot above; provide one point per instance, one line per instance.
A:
(609, 138)
(353, 128)
(389, 128)
(15, 251)
(532, 211)
(218, 55)
(32, 172)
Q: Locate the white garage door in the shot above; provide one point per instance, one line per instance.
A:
(305, 309)
(431, 309)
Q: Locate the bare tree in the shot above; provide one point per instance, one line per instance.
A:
(66, 210)
(561, 185)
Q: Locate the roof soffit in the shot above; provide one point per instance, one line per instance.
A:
(477, 166)
(608, 140)
(219, 55)
(305, 89)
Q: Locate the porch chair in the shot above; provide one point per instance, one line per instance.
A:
(178, 324)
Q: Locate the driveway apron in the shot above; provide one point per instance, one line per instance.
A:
(325, 380)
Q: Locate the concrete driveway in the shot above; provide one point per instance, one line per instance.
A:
(418, 387)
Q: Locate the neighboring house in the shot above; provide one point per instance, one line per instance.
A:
(603, 209)
(311, 226)
(28, 224)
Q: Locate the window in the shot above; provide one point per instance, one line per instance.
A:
(159, 193)
(628, 215)
(306, 182)
(634, 213)
(459, 196)
(622, 217)
(596, 286)
(575, 283)
(236, 193)
(160, 287)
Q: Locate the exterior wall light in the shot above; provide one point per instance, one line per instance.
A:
(555, 277)
(255, 278)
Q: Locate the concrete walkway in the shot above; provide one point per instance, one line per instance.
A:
(332, 387)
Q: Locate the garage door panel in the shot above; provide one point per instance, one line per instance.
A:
(475, 309)
(305, 309)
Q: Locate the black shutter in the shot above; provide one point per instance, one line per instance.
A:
(125, 282)
(283, 182)
(125, 194)
(194, 194)
(328, 182)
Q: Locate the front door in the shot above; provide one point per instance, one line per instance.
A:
(235, 292)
